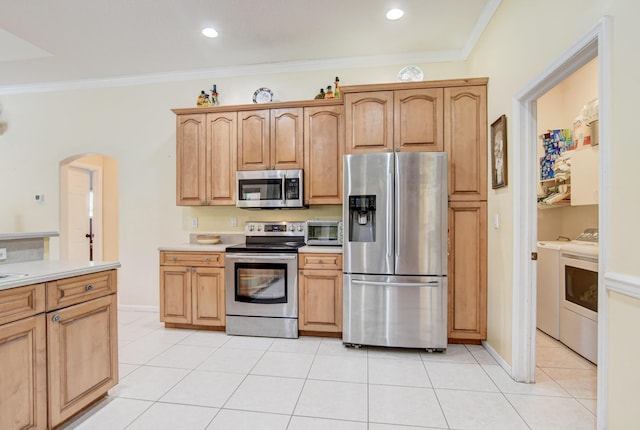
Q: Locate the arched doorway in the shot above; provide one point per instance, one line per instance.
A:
(89, 208)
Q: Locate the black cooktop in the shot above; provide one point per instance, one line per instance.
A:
(271, 247)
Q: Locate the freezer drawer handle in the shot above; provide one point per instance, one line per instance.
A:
(397, 284)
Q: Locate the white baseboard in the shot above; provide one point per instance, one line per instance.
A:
(139, 308)
(492, 352)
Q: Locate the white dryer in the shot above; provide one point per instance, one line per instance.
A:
(549, 295)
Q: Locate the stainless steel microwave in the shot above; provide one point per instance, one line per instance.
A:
(323, 232)
(271, 189)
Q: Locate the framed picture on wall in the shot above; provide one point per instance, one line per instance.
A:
(499, 153)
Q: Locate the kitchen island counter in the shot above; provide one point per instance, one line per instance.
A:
(48, 270)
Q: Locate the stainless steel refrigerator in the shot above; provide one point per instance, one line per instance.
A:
(395, 250)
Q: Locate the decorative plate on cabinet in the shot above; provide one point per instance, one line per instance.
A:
(263, 95)
(410, 74)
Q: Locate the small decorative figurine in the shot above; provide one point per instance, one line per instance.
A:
(201, 98)
(328, 93)
(214, 96)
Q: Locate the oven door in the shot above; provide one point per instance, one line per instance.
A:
(579, 284)
(262, 285)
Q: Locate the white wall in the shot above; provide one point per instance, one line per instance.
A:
(522, 40)
(135, 125)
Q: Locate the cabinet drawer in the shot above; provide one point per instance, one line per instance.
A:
(69, 291)
(202, 259)
(21, 302)
(320, 261)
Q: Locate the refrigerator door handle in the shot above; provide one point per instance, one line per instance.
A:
(397, 284)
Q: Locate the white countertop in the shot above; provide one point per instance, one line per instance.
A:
(197, 247)
(14, 236)
(320, 249)
(48, 270)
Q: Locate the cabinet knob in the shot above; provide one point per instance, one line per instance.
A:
(89, 287)
(193, 270)
(273, 166)
(320, 261)
(56, 318)
(208, 259)
(397, 149)
(174, 258)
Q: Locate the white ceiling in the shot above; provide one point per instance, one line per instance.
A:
(70, 41)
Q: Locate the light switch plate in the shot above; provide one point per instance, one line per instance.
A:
(3, 253)
(194, 222)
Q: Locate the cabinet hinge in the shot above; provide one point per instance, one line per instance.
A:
(534, 256)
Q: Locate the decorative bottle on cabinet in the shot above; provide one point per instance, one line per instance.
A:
(214, 96)
(328, 93)
(336, 91)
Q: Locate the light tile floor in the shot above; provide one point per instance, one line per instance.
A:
(183, 379)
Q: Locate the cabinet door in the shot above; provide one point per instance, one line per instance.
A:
(369, 118)
(320, 300)
(323, 149)
(465, 121)
(253, 140)
(286, 138)
(222, 144)
(208, 296)
(190, 160)
(175, 294)
(418, 123)
(467, 270)
(82, 355)
(23, 374)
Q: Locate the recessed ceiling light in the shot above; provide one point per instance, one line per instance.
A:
(210, 32)
(394, 14)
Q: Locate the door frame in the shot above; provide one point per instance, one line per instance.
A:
(595, 43)
(97, 208)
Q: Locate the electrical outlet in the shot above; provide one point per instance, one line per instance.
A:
(3, 253)
(194, 222)
(234, 221)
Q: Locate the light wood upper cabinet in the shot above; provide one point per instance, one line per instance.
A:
(222, 138)
(467, 267)
(192, 288)
(418, 120)
(190, 159)
(253, 140)
(369, 118)
(23, 373)
(395, 120)
(320, 293)
(270, 139)
(82, 355)
(206, 147)
(466, 141)
(286, 138)
(323, 149)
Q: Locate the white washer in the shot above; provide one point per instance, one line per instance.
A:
(548, 290)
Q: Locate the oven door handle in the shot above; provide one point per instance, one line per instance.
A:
(261, 257)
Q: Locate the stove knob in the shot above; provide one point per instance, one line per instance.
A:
(300, 228)
(291, 227)
(250, 227)
(259, 228)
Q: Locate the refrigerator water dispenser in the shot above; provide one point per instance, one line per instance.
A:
(362, 218)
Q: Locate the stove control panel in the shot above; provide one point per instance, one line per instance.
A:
(276, 228)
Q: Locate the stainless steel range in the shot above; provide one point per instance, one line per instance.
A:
(262, 280)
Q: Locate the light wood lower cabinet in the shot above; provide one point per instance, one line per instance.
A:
(320, 293)
(23, 374)
(191, 290)
(58, 357)
(467, 270)
(82, 355)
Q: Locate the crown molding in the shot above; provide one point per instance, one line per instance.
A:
(247, 70)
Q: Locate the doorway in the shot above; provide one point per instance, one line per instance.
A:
(596, 43)
(89, 208)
